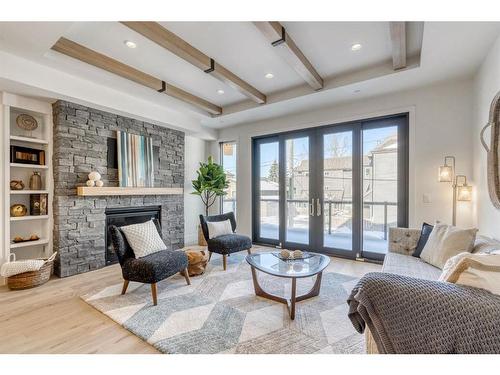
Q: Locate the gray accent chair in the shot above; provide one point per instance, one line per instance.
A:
(150, 269)
(228, 243)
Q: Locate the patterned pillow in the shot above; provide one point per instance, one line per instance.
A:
(143, 238)
(219, 228)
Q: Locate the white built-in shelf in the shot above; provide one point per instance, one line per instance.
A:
(31, 166)
(28, 139)
(29, 217)
(101, 191)
(20, 192)
(41, 241)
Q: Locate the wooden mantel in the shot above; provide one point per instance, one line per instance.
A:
(108, 190)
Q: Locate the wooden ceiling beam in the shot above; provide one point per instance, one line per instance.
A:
(179, 47)
(279, 38)
(82, 53)
(398, 41)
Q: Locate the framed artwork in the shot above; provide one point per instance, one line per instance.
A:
(135, 160)
(26, 155)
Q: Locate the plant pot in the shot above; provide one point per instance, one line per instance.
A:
(201, 237)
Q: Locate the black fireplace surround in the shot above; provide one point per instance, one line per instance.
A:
(122, 216)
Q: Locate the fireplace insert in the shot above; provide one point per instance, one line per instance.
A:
(122, 216)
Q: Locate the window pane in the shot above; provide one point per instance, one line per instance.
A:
(269, 190)
(337, 190)
(380, 186)
(297, 190)
(229, 150)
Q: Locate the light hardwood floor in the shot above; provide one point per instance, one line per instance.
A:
(53, 319)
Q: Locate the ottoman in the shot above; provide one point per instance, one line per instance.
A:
(197, 260)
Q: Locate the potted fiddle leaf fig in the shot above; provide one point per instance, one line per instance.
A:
(210, 184)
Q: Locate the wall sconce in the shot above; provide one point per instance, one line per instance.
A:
(464, 191)
(446, 171)
(461, 190)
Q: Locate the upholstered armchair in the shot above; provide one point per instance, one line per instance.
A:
(225, 244)
(149, 269)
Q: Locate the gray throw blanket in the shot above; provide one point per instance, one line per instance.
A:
(409, 315)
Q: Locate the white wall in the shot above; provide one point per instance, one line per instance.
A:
(195, 150)
(440, 124)
(486, 86)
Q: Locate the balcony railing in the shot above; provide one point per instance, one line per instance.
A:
(339, 205)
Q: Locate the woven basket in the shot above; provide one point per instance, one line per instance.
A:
(31, 279)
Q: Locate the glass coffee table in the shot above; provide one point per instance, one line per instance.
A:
(293, 269)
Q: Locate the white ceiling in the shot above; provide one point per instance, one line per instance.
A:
(448, 50)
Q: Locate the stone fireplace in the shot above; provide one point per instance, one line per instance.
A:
(82, 138)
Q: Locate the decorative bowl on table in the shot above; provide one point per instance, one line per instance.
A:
(292, 255)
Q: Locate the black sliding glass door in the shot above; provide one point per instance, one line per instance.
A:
(335, 189)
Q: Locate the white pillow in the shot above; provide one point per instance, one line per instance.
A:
(476, 270)
(446, 241)
(219, 228)
(143, 238)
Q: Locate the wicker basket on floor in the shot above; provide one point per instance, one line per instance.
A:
(32, 279)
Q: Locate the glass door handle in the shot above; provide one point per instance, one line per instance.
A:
(318, 207)
(311, 207)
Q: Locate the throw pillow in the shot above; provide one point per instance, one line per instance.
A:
(219, 228)
(446, 241)
(424, 236)
(476, 270)
(143, 238)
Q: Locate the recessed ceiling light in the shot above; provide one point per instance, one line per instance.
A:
(130, 44)
(356, 47)
(220, 92)
(269, 75)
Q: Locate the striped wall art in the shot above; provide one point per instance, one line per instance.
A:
(135, 160)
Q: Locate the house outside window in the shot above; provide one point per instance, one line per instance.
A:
(228, 151)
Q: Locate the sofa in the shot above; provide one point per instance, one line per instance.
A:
(399, 260)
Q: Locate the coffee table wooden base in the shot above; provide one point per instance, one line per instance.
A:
(290, 302)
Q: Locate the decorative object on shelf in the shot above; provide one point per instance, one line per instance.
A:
(33, 237)
(94, 180)
(34, 278)
(94, 176)
(135, 160)
(210, 184)
(26, 155)
(38, 204)
(493, 151)
(461, 190)
(26, 122)
(18, 210)
(36, 181)
(16, 185)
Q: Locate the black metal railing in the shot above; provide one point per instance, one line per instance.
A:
(339, 205)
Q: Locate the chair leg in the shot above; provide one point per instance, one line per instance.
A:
(153, 292)
(224, 261)
(125, 286)
(186, 276)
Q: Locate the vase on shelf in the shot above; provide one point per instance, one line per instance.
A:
(36, 181)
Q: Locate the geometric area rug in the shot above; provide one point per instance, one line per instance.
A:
(219, 313)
